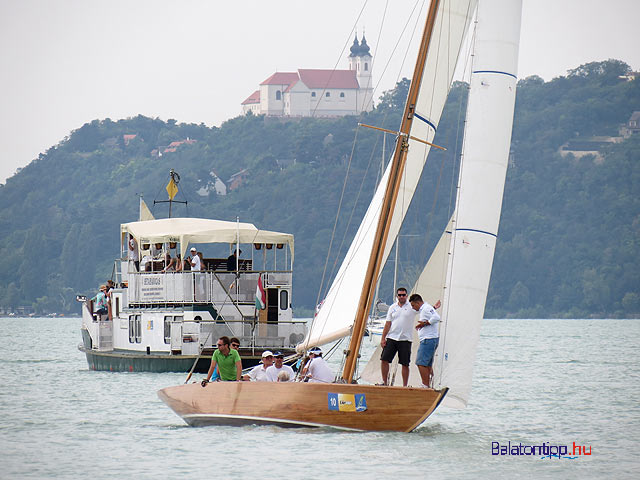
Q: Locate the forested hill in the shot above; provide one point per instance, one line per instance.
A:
(569, 240)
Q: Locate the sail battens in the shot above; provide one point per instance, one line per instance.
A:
(496, 72)
(420, 117)
(477, 231)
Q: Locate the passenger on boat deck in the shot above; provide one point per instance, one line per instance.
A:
(317, 370)
(235, 344)
(274, 370)
(227, 360)
(169, 263)
(428, 334)
(203, 266)
(156, 250)
(232, 263)
(110, 286)
(100, 302)
(134, 256)
(396, 337)
(259, 372)
(179, 262)
(194, 260)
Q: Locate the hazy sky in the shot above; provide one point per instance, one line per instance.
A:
(67, 62)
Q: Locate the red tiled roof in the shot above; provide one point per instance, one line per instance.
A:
(253, 98)
(329, 78)
(288, 89)
(281, 78)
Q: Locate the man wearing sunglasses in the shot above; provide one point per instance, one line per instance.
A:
(227, 360)
(396, 337)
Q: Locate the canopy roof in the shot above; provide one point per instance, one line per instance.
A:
(202, 230)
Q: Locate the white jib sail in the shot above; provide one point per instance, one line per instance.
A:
(337, 313)
(480, 187)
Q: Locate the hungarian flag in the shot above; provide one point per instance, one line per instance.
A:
(261, 295)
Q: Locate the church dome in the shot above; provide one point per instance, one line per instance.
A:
(355, 48)
(364, 48)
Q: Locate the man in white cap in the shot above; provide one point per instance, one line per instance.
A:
(259, 372)
(317, 369)
(194, 260)
(278, 366)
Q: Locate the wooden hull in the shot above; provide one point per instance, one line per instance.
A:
(295, 404)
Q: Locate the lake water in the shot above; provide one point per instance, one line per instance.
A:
(536, 381)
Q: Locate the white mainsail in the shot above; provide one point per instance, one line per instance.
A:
(337, 313)
(480, 187)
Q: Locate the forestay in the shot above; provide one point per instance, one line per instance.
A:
(337, 312)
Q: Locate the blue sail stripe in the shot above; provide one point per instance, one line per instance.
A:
(425, 121)
(473, 230)
(496, 71)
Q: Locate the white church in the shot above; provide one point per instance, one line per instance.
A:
(317, 93)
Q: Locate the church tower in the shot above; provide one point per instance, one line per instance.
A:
(360, 61)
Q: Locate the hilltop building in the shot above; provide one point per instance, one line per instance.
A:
(317, 93)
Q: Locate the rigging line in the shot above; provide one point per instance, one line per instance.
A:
(452, 245)
(383, 121)
(339, 58)
(344, 186)
(375, 56)
(395, 47)
(353, 209)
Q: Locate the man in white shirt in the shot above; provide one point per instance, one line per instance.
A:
(134, 256)
(396, 337)
(428, 333)
(317, 369)
(259, 372)
(195, 260)
(274, 370)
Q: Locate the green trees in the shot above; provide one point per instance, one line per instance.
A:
(569, 239)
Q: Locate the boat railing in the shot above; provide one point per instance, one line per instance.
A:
(207, 287)
(252, 333)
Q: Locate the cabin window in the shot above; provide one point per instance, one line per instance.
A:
(278, 95)
(167, 329)
(132, 328)
(138, 328)
(284, 299)
(313, 94)
(341, 94)
(366, 67)
(117, 306)
(328, 94)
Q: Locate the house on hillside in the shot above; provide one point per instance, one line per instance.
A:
(316, 92)
(632, 126)
(237, 179)
(172, 147)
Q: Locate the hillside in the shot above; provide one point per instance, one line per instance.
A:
(569, 238)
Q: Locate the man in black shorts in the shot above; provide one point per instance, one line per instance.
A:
(396, 337)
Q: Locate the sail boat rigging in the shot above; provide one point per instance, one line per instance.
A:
(371, 407)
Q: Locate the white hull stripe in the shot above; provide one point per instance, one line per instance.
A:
(248, 419)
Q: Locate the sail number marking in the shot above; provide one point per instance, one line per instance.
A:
(347, 402)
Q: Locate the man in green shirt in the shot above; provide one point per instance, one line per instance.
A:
(227, 360)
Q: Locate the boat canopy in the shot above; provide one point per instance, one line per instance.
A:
(202, 230)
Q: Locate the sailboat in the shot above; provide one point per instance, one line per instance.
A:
(458, 271)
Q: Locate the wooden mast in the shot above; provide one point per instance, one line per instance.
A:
(389, 201)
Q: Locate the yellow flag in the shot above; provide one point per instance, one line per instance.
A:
(172, 189)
